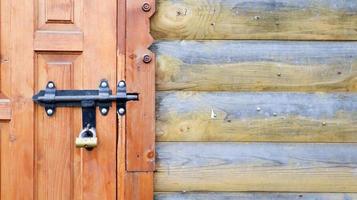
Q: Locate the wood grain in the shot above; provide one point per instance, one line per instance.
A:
(99, 62)
(139, 186)
(252, 196)
(278, 117)
(140, 77)
(264, 19)
(59, 10)
(121, 130)
(54, 149)
(58, 41)
(38, 157)
(229, 167)
(17, 139)
(256, 66)
(5, 44)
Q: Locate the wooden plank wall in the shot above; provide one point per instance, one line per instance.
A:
(256, 99)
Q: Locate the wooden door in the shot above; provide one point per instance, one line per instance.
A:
(74, 43)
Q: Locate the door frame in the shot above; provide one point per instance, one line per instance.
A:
(136, 64)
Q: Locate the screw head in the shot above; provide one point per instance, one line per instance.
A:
(50, 85)
(49, 112)
(121, 84)
(147, 58)
(121, 111)
(146, 7)
(150, 154)
(104, 84)
(104, 111)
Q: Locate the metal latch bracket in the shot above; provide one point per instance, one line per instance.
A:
(88, 100)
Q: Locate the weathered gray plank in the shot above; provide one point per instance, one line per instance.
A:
(283, 117)
(256, 66)
(280, 167)
(259, 19)
(252, 196)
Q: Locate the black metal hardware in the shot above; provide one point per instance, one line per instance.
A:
(88, 100)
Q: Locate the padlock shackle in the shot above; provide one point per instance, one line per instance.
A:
(87, 129)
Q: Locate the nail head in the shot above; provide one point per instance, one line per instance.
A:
(121, 111)
(121, 84)
(50, 85)
(49, 111)
(104, 84)
(104, 111)
(147, 58)
(146, 7)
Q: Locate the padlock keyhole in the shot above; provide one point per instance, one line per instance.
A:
(88, 134)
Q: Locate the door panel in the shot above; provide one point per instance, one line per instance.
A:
(54, 136)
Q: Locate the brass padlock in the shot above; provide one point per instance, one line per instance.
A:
(87, 138)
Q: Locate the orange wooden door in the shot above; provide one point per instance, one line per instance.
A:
(74, 44)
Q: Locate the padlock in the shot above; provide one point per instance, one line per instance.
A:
(87, 138)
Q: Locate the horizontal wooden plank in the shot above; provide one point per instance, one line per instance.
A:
(278, 117)
(5, 108)
(263, 19)
(252, 196)
(256, 66)
(58, 41)
(275, 167)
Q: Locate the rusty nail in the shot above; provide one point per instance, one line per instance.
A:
(147, 58)
(146, 7)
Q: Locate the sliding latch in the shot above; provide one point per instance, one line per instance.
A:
(51, 98)
(88, 100)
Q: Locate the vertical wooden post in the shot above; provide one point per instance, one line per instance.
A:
(137, 129)
(140, 76)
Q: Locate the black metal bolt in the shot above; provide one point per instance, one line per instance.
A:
(104, 111)
(121, 84)
(51, 85)
(104, 84)
(121, 111)
(146, 7)
(147, 58)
